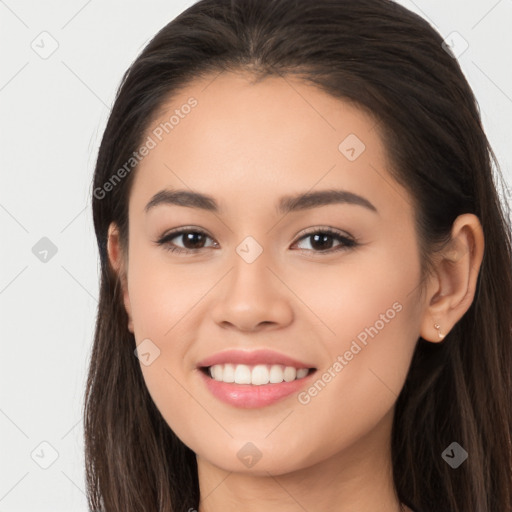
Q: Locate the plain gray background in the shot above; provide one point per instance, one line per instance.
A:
(53, 112)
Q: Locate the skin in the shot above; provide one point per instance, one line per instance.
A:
(247, 145)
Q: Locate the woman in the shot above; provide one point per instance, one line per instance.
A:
(306, 278)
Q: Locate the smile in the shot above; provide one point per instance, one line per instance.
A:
(256, 375)
(254, 378)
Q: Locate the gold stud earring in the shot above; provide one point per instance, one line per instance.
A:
(438, 327)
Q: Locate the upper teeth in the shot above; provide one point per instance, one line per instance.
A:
(256, 375)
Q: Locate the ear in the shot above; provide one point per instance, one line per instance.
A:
(117, 261)
(451, 289)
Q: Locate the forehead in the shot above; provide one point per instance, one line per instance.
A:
(240, 141)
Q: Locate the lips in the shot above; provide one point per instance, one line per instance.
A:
(257, 378)
(252, 358)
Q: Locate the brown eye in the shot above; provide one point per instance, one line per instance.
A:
(192, 239)
(322, 240)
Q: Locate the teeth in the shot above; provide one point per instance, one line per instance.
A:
(260, 375)
(290, 374)
(256, 375)
(242, 374)
(276, 374)
(228, 374)
(216, 372)
(302, 372)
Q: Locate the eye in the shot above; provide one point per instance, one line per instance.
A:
(322, 239)
(192, 238)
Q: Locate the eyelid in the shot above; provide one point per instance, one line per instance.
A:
(180, 230)
(324, 229)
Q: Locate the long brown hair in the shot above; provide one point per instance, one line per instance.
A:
(392, 63)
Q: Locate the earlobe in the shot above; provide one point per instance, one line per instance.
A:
(116, 258)
(439, 333)
(456, 274)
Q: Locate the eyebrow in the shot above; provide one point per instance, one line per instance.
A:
(286, 204)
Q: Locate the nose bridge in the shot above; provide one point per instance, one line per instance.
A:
(251, 274)
(250, 250)
(252, 294)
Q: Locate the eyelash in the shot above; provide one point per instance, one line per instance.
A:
(346, 242)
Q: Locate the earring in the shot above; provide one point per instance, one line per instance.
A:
(438, 327)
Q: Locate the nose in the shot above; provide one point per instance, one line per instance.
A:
(253, 297)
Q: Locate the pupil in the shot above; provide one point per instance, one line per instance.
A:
(322, 244)
(193, 238)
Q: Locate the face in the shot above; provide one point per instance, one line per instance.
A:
(318, 294)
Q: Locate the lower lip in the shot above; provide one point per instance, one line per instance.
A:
(249, 396)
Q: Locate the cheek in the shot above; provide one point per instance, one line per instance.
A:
(162, 294)
(375, 332)
(162, 305)
(370, 322)
(369, 288)
(161, 301)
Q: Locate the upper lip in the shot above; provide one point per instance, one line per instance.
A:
(252, 357)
